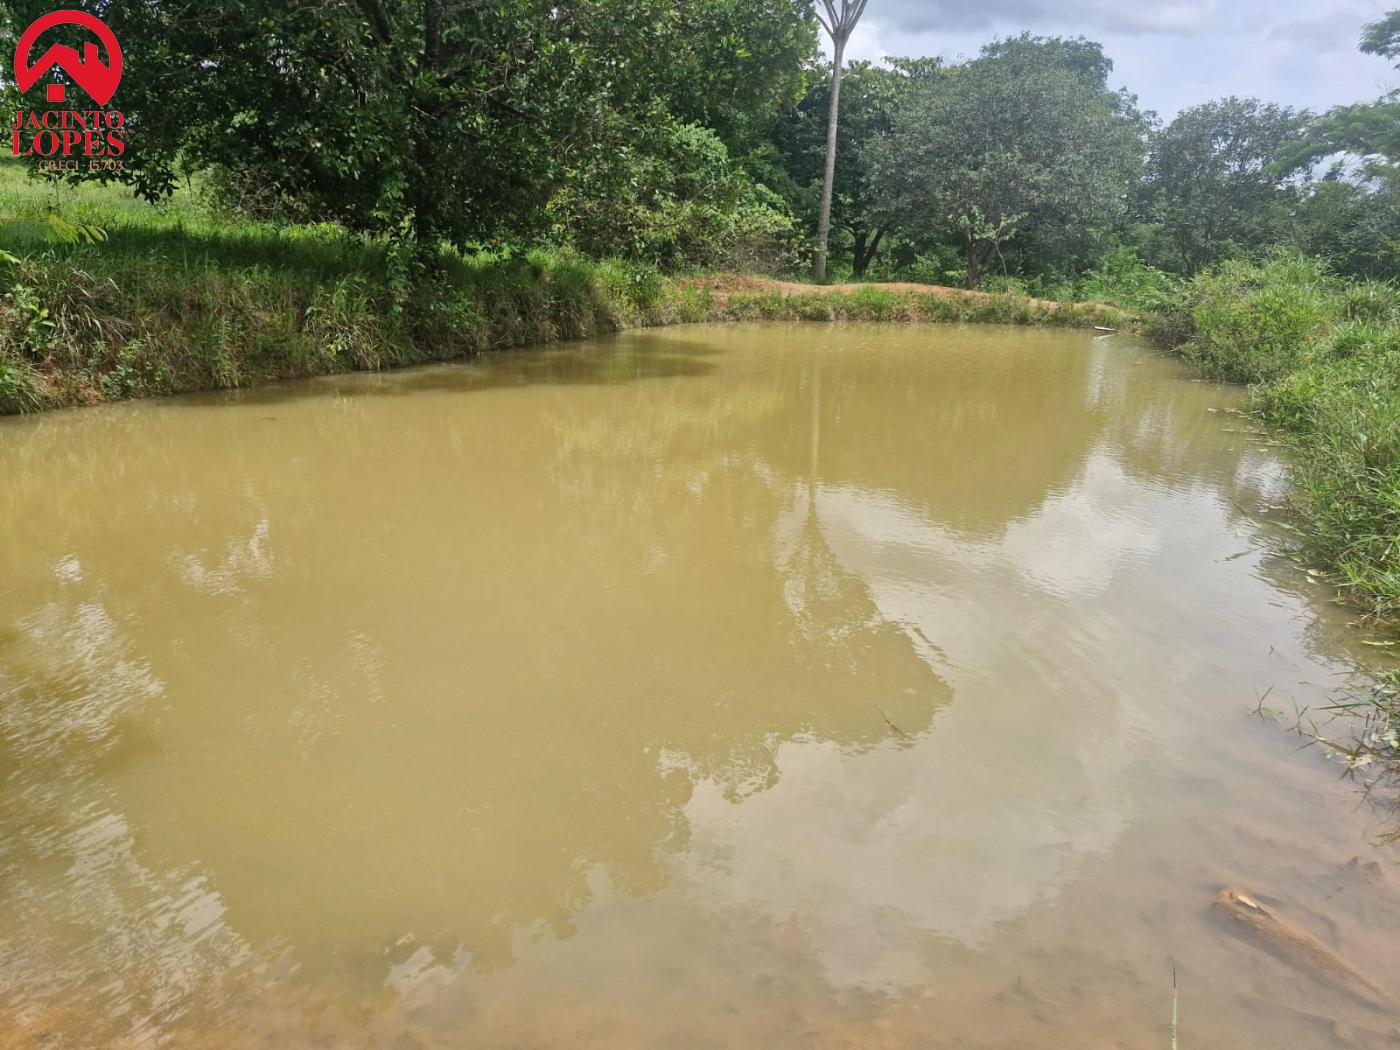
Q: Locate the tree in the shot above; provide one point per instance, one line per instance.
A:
(668, 193)
(434, 120)
(1367, 130)
(1382, 37)
(1223, 177)
(429, 120)
(1021, 143)
(870, 96)
(1352, 215)
(728, 65)
(1353, 221)
(839, 23)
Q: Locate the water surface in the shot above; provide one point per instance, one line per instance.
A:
(762, 686)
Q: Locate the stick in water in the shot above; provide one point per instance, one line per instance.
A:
(1174, 1005)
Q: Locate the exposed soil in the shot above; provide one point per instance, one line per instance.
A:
(725, 285)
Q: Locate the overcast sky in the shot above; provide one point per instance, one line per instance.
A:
(1172, 55)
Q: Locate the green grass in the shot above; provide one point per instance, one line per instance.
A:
(175, 298)
(106, 297)
(1323, 358)
(876, 304)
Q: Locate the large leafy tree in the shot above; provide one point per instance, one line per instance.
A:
(437, 119)
(433, 119)
(1024, 144)
(1224, 177)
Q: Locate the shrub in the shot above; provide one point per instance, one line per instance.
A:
(1251, 322)
(671, 197)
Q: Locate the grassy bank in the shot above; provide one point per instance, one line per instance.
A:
(103, 297)
(1323, 359)
(114, 298)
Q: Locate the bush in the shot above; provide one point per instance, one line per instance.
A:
(670, 197)
(1251, 322)
(21, 388)
(1123, 279)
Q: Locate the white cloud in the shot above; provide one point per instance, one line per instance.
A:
(924, 16)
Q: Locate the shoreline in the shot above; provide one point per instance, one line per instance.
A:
(69, 338)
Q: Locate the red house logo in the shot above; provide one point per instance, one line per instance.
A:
(58, 137)
(99, 79)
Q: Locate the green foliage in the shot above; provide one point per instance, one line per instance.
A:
(1254, 322)
(1124, 280)
(982, 155)
(440, 121)
(667, 194)
(21, 388)
(1370, 131)
(178, 298)
(1325, 356)
(1382, 37)
(1366, 129)
(1222, 179)
(32, 325)
(727, 65)
(875, 304)
(870, 97)
(1352, 220)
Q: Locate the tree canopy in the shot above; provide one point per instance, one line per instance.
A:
(443, 119)
(698, 133)
(1382, 37)
(1025, 143)
(1217, 181)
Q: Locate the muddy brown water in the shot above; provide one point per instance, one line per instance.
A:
(769, 686)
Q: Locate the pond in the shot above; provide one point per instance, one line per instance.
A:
(721, 686)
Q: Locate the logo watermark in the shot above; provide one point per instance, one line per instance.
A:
(63, 139)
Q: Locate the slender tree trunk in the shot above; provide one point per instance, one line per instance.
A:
(828, 186)
(974, 264)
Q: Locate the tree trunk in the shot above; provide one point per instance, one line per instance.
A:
(859, 237)
(866, 248)
(828, 186)
(974, 264)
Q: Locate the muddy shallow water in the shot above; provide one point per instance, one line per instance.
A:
(779, 686)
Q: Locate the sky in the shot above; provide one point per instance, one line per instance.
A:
(1172, 55)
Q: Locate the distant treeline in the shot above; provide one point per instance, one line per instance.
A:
(690, 134)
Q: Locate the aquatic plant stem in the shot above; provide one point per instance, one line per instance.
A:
(1175, 1004)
